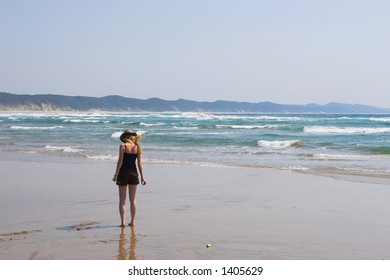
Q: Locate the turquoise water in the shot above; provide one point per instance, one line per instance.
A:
(317, 143)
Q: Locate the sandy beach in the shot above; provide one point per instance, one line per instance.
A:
(68, 211)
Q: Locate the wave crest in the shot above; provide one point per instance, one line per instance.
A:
(344, 130)
(280, 144)
(17, 127)
(63, 149)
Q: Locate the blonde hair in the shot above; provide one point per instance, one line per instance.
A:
(129, 136)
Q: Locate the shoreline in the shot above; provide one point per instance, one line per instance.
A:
(69, 211)
(337, 174)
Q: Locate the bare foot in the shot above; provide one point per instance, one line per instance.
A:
(122, 225)
(132, 224)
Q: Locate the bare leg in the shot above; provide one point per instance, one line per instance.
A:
(122, 204)
(133, 203)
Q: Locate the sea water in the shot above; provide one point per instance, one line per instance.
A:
(342, 144)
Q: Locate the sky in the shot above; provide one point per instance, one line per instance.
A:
(283, 51)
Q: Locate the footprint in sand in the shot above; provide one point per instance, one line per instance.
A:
(13, 235)
(86, 225)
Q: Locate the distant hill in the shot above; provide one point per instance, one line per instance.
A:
(115, 103)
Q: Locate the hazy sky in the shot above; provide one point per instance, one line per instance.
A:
(290, 52)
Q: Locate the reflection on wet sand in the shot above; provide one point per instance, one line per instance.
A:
(125, 251)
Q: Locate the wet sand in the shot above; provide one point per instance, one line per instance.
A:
(69, 211)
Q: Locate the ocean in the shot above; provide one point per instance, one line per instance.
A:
(356, 145)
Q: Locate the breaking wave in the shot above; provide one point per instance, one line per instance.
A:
(280, 144)
(63, 149)
(345, 130)
(17, 127)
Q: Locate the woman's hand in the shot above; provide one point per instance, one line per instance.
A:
(143, 182)
(115, 177)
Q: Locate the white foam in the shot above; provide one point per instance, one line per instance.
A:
(185, 127)
(386, 120)
(118, 134)
(340, 157)
(278, 118)
(247, 126)
(345, 118)
(17, 127)
(198, 116)
(345, 130)
(279, 144)
(141, 132)
(102, 157)
(85, 121)
(151, 124)
(295, 167)
(361, 171)
(185, 162)
(64, 149)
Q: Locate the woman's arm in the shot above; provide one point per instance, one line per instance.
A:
(141, 172)
(120, 161)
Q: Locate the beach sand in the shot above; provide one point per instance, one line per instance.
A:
(69, 211)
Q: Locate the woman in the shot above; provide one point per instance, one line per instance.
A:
(126, 173)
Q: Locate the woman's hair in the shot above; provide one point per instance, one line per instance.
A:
(131, 136)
